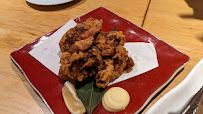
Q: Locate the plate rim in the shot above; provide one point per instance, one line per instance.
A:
(161, 87)
(184, 84)
(24, 74)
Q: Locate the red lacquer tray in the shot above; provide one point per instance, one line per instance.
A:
(141, 88)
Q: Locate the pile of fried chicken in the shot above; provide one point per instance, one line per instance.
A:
(88, 52)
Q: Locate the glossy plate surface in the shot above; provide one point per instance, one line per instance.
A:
(141, 88)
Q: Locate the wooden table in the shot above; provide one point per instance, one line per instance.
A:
(174, 22)
(21, 22)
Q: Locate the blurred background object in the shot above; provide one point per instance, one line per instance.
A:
(200, 107)
(48, 2)
(197, 6)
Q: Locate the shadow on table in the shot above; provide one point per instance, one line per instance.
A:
(197, 6)
(56, 7)
(34, 94)
(200, 37)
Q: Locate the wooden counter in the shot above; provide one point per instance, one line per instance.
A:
(22, 22)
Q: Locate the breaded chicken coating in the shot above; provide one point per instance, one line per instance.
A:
(108, 41)
(81, 36)
(78, 66)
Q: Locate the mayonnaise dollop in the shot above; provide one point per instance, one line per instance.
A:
(115, 99)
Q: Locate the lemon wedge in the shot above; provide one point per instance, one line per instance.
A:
(72, 102)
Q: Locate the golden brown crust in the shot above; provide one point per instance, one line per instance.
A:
(108, 41)
(83, 56)
(104, 76)
(81, 36)
(122, 62)
(114, 67)
(78, 66)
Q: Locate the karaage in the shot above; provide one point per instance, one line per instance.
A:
(104, 76)
(81, 36)
(86, 53)
(79, 65)
(108, 41)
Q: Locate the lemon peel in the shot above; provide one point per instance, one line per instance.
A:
(72, 102)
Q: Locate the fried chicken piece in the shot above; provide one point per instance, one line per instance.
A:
(122, 62)
(114, 67)
(78, 66)
(83, 55)
(108, 41)
(98, 58)
(81, 36)
(104, 76)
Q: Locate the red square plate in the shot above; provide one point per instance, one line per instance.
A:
(141, 88)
